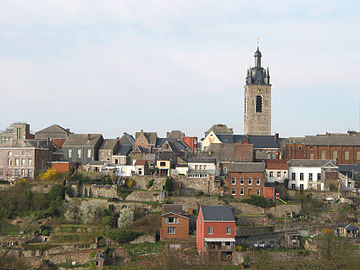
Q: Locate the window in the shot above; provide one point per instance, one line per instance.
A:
(241, 181)
(29, 162)
(319, 176)
(23, 162)
(196, 167)
(79, 153)
(310, 176)
(292, 186)
(258, 191)
(284, 174)
(171, 220)
(311, 156)
(233, 191)
(140, 171)
(204, 167)
(228, 230)
(323, 154)
(335, 155)
(258, 181)
(358, 155)
(250, 181)
(233, 181)
(241, 191)
(89, 153)
(29, 172)
(259, 104)
(278, 174)
(171, 230)
(162, 164)
(210, 230)
(9, 153)
(347, 155)
(293, 176)
(301, 186)
(16, 161)
(22, 172)
(116, 161)
(271, 174)
(200, 167)
(16, 172)
(70, 153)
(301, 176)
(10, 161)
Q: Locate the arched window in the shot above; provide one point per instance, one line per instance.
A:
(259, 104)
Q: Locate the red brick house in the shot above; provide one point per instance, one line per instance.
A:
(245, 179)
(174, 225)
(215, 231)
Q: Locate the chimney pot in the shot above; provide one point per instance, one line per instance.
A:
(88, 137)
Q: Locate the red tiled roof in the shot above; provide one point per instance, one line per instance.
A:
(277, 164)
(140, 162)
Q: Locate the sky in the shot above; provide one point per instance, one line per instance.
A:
(114, 66)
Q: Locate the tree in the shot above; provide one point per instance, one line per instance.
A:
(29, 224)
(168, 185)
(50, 174)
(126, 217)
(90, 212)
(72, 214)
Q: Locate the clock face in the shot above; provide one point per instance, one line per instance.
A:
(259, 90)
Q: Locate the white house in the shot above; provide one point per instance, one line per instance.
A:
(308, 173)
(202, 167)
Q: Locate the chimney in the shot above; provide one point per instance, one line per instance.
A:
(246, 139)
(276, 136)
(167, 134)
(125, 133)
(88, 137)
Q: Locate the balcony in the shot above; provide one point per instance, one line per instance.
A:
(219, 244)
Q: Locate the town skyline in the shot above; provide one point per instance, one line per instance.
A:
(119, 67)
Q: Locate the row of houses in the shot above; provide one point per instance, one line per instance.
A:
(245, 164)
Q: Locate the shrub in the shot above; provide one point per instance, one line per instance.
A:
(130, 183)
(55, 209)
(200, 193)
(50, 174)
(122, 236)
(72, 214)
(150, 183)
(259, 201)
(126, 217)
(29, 224)
(109, 221)
(168, 185)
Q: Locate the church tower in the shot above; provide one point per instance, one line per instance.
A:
(257, 99)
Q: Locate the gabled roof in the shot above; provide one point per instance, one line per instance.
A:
(175, 134)
(150, 136)
(53, 131)
(247, 167)
(82, 140)
(122, 150)
(109, 144)
(140, 149)
(220, 129)
(140, 162)
(217, 213)
(311, 163)
(176, 145)
(127, 139)
(351, 227)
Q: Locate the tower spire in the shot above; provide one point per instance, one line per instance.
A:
(257, 54)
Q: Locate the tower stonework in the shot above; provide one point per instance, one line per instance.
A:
(257, 99)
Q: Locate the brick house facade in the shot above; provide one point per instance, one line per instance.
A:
(174, 224)
(245, 179)
(215, 231)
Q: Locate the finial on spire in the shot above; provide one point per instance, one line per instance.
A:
(257, 42)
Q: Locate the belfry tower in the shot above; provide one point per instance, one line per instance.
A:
(257, 99)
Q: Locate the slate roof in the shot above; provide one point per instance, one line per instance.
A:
(352, 171)
(175, 134)
(28, 143)
(202, 160)
(311, 162)
(150, 136)
(127, 139)
(217, 213)
(219, 129)
(247, 167)
(166, 156)
(176, 145)
(351, 227)
(332, 140)
(53, 131)
(222, 151)
(258, 141)
(82, 140)
(122, 150)
(109, 144)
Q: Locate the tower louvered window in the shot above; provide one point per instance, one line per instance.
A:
(259, 104)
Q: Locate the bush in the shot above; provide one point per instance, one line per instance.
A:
(109, 221)
(126, 217)
(130, 183)
(122, 236)
(150, 183)
(50, 174)
(29, 224)
(168, 185)
(200, 193)
(259, 201)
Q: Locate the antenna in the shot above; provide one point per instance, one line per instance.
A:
(257, 42)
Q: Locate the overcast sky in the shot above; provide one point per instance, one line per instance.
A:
(114, 66)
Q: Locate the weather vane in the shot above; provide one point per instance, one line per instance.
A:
(257, 42)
